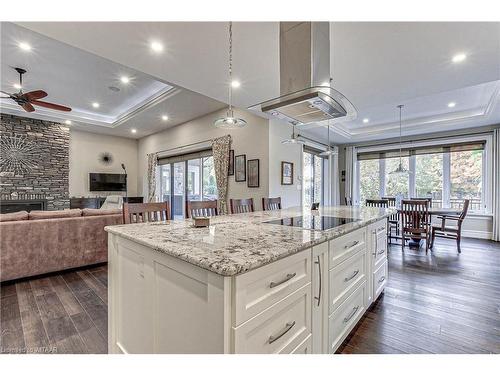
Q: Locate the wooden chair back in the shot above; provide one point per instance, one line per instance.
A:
(239, 206)
(391, 201)
(382, 203)
(415, 216)
(201, 208)
(422, 199)
(145, 212)
(269, 204)
(465, 208)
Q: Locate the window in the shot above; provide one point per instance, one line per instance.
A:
(191, 177)
(446, 173)
(396, 183)
(313, 176)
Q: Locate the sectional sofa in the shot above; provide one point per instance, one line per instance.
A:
(40, 242)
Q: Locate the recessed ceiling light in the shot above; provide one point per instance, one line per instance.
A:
(459, 57)
(366, 121)
(125, 79)
(452, 104)
(235, 84)
(67, 122)
(17, 86)
(25, 46)
(133, 130)
(95, 105)
(156, 46)
(164, 117)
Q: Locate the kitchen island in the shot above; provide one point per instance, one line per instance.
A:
(284, 281)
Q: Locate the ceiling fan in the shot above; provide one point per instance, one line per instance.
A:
(29, 99)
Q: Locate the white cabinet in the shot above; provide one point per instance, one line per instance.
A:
(305, 303)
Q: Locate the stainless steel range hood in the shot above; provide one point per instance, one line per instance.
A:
(305, 92)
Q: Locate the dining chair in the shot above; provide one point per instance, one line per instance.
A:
(348, 201)
(452, 232)
(415, 222)
(393, 220)
(201, 208)
(382, 203)
(240, 206)
(424, 198)
(269, 204)
(145, 212)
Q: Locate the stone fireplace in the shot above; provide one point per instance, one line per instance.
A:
(34, 164)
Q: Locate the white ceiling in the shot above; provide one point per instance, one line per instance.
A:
(376, 65)
(77, 78)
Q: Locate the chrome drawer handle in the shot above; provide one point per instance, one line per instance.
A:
(381, 252)
(318, 298)
(288, 277)
(351, 245)
(352, 276)
(353, 312)
(280, 334)
(381, 279)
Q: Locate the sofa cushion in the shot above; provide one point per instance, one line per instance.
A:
(14, 216)
(99, 212)
(37, 215)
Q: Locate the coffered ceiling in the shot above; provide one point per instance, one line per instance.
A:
(376, 65)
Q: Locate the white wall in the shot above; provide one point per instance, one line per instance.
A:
(251, 140)
(84, 151)
(291, 195)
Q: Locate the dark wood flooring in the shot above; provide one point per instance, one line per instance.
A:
(440, 303)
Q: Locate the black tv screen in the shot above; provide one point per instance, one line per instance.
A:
(108, 182)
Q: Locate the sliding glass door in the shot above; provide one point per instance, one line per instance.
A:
(190, 179)
(313, 178)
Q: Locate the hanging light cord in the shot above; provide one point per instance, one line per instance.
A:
(231, 68)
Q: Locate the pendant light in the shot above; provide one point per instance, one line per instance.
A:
(294, 139)
(229, 121)
(400, 169)
(329, 151)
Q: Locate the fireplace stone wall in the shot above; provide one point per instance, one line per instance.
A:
(34, 160)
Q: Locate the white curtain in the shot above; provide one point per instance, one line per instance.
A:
(496, 185)
(350, 172)
(152, 166)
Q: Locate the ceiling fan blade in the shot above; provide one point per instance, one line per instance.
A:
(6, 93)
(51, 106)
(28, 107)
(34, 95)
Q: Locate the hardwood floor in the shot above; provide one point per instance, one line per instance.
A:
(440, 303)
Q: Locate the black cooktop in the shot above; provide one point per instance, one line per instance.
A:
(313, 222)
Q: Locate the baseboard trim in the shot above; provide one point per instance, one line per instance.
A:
(477, 234)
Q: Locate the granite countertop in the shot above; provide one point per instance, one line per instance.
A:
(234, 244)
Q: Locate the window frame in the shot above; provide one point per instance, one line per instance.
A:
(486, 196)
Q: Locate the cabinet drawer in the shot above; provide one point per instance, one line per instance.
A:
(345, 277)
(255, 291)
(279, 329)
(379, 250)
(305, 347)
(343, 247)
(379, 279)
(346, 316)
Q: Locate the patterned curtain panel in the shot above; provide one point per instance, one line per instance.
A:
(496, 185)
(220, 149)
(152, 164)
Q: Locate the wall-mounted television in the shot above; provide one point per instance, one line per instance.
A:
(107, 182)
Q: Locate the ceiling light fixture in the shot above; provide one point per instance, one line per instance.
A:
(156, 46)
(164, 117)
(294, 139)
(17, 86)
(329, 151)
(235, 84)
(67, 122)
(452, 104)
(95, 105)
(400, 170)
(366, 120)
(125, 79)
(25, 46)
(230, 122)
(133, 130)
(459, 57)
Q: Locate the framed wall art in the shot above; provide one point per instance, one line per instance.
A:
(240, 165)
(286, 173)
(253, 173)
